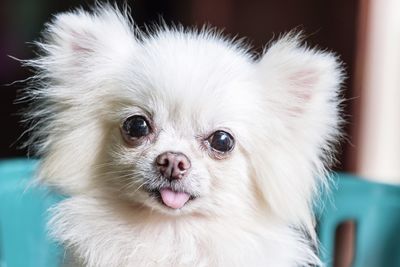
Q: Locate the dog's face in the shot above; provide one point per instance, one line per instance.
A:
(183, 122)
(177, 140)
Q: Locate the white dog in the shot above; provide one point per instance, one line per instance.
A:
(178, 147)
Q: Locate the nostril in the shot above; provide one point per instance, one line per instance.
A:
(162, 160)
(181, 166)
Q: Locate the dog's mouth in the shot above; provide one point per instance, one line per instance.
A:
(171, 198)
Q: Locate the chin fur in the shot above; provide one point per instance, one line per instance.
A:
(249, 206)
(105, 233)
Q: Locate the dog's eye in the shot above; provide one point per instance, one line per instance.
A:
(221, 141)
(136, 126)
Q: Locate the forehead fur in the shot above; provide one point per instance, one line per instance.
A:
(180, 73)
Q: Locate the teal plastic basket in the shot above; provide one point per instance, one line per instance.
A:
(23, 214)
(375, 210)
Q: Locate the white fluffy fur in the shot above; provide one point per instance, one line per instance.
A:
(254, 207)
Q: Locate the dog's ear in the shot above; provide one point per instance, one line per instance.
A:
(301, 88)
(79, 42)
(82, 54)
(304, 80)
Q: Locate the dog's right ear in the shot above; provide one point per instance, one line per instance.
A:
(82, 55)
(77, 41)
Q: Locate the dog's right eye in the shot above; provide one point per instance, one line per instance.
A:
(136, 127)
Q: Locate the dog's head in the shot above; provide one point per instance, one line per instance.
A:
(182, 121)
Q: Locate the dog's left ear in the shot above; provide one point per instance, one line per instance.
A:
(301, 87)
(306, 81)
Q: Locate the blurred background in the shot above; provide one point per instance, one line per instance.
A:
(364, 33)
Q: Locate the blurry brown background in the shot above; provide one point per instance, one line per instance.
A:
(330, 24)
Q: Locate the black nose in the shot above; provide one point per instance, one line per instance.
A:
(173, 165)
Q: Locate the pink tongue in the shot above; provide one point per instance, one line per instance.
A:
(173, 199)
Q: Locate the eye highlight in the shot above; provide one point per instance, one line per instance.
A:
(136, 127)
(221, 141)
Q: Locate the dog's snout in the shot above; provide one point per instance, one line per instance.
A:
(173, 165)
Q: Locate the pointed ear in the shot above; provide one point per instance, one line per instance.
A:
(82, 55)
(304, 84)
(74, 42)
(300, 87)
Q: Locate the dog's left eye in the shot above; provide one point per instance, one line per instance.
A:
(221, 141)
(136, 126)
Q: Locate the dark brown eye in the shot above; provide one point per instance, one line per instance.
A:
(136, 127)
(221, 141)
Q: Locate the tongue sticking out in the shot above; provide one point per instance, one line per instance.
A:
(172, 199)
